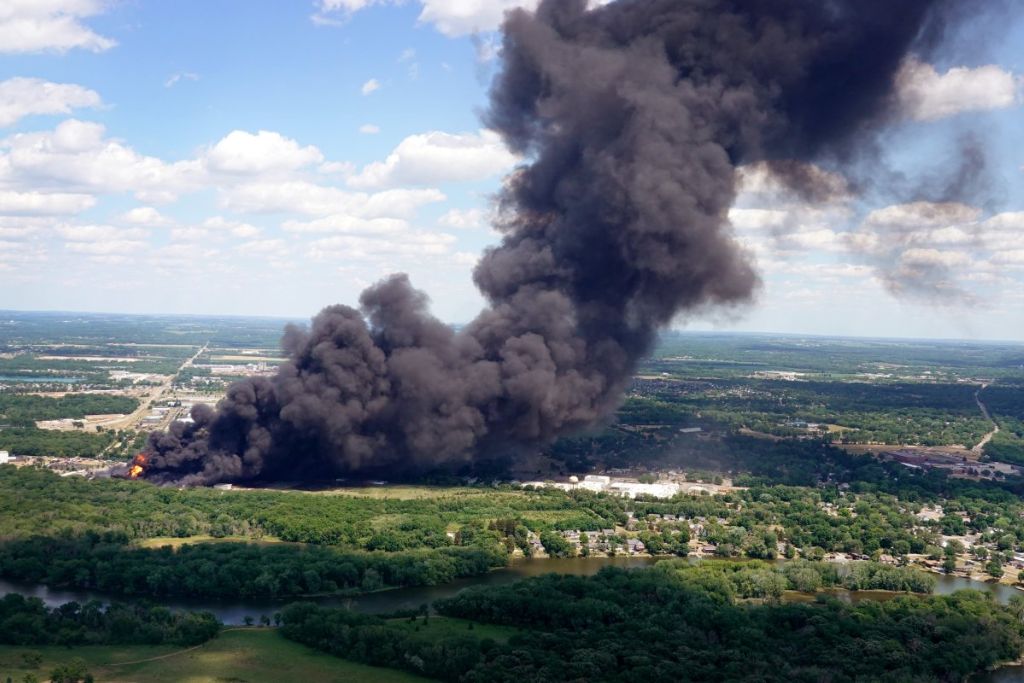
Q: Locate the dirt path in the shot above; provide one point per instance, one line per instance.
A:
(181, 652)
(980, 447)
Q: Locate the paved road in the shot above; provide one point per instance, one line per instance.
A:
(134, 419)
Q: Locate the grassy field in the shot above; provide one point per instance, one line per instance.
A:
(401, 492)
(239, 656)
(443, 627)
(175, 542)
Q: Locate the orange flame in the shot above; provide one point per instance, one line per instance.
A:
(137, 467)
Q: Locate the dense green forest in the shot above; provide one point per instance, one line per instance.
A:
(32, 499)
(233, 570)
(19, 413)
(28, 621)
(1006, 404)
(32, 441)
(94, 527)
(680, 623)
(20, 410)
(857, 390)
(881, 501)
(894, 413)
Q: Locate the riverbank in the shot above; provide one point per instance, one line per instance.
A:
(1011, 672)
(235, 612)
(394, 600)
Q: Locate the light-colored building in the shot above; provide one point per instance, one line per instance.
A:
(632, 490)
(5, 457)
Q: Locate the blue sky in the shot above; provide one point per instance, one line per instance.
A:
(274, 157)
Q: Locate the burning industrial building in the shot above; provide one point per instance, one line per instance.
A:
(633, 118)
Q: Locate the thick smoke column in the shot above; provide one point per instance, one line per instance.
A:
(634, 116)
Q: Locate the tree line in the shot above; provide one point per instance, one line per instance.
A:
(232, 570)
(676, 623)
(28, 621)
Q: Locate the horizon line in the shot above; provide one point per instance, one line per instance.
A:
(669, 330)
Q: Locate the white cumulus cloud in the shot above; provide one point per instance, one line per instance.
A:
(49, 25)
(264, 247)
(43, 203)
(926, 95)
(303, 197)
(99, 233)
(17, 227)
(935, 257)
(463, 17)
(1004, 231)
(190, 234)
(236, 228)
(1014, 257)
(102, 243)
(263, 152)
(105, 248)
(815, 240)
(145, 215)
(340, 223)
(21, 97)
(357, 246)
(919, 215)
(77, 157)
(464, 219)
(453, 18)
(437, 157)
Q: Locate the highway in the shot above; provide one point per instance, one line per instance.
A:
(133, 420)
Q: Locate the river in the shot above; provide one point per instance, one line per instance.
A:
(235, 612)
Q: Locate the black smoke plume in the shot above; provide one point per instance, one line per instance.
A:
(634, 117)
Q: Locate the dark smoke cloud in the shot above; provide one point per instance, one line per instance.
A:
(634, 116)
